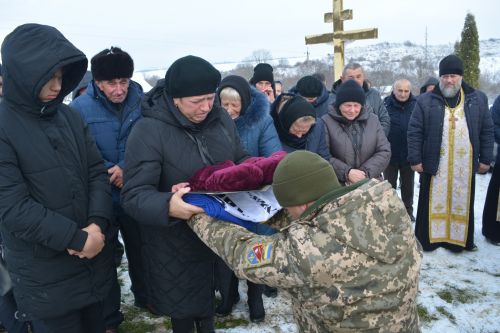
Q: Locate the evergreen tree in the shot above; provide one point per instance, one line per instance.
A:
(456, 49)
(469, 51)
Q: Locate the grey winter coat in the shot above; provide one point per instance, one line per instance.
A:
(359, 144)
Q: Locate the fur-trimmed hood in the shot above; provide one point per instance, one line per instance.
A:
(258, 108)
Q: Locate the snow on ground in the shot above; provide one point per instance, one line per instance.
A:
(458, 292)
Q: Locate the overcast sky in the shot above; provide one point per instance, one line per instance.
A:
(155, 33)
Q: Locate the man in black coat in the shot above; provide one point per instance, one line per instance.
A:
(55, 202)
(400, 104)
(182, 130)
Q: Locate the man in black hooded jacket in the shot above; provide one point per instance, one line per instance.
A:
(55, 202)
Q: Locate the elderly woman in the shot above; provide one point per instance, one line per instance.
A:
(357, 142)
(249, 109)
(297, 125)
(181, 131)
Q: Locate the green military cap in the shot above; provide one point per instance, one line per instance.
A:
(302, 177)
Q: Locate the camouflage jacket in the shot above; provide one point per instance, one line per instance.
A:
(350, 262)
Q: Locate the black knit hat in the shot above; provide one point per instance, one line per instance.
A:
(191, 76)
(350, 91)
(241, 85)
(309, 86)
(262, 72)
(295, 108)
(112, 63)
(451, 64)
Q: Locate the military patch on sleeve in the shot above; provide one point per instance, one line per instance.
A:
(259, 254)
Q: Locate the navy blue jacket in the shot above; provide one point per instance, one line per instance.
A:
(426, 127)
(400, 116)
(110, 127)
(322, 103)
(256, 127)
(495, 113)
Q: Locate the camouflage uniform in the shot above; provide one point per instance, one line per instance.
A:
(350, 262)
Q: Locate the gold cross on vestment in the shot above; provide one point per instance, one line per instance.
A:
(452, 120)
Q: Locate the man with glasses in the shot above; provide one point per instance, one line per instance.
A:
(111, 106)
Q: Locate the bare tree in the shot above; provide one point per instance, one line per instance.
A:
(259, 56)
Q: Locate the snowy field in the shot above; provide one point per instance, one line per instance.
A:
(458, 292)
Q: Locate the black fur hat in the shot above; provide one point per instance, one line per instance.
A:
(112, 63)
(191, 76)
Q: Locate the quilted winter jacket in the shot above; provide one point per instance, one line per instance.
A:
(163, 149)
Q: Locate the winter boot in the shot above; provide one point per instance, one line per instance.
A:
(228, 288)
(255, 303)
(271, 292)
(205, 325)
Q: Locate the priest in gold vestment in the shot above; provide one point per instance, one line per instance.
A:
(450, 139)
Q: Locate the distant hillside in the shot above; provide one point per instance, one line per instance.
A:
(383, 62)
(391, 55)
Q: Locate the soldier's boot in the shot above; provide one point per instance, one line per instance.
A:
(229, 295)
(205, 325)
(255, 303)
(271, 292)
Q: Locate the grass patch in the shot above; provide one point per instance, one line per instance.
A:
(424, 315)
(139, 326)
(137, 320)
(167, 323)
(453, 294)
(230, 323)
(445, 313)
(445, 295)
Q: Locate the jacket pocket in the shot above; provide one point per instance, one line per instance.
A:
(40, 251)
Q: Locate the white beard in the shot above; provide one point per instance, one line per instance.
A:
(452, 91)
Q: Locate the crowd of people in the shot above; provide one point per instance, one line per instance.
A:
(117, 161)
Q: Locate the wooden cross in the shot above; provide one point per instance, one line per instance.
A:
(339, 36)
